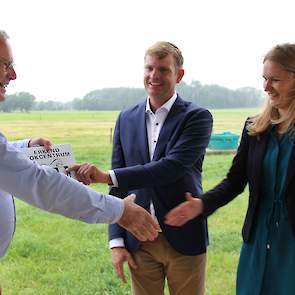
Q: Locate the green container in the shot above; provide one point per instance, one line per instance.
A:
(224, 141)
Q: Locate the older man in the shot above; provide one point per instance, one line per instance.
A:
(45, 188)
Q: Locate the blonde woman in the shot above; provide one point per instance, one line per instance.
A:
(265, 161)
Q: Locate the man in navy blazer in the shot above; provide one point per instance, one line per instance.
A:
(158, 151)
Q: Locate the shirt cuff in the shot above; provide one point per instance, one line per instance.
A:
(115, 243)
(113, 178)
(24, 143)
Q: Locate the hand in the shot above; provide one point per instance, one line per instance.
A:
(119, 256)
(184, 212)
(89, 173)
(138, 221)
(40, 141)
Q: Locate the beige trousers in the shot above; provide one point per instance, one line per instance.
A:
(157, 261)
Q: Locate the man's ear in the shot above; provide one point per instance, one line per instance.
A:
(180, 74)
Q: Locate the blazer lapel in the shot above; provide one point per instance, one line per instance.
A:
(141, 137)
(168, 127)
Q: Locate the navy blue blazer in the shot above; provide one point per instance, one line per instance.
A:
(247, 169)
(175, 169)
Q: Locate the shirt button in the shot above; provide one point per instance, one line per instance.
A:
(267, 246)
(155, 141)
(157, 124)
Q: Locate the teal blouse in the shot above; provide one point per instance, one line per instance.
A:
(267, 261)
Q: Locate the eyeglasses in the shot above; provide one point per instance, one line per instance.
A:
(8, 64)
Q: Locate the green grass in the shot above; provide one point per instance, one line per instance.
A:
(54, 255)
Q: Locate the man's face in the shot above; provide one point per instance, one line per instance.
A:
(7, 72)
(161, 77)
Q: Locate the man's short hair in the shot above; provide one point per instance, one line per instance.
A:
(162, 48)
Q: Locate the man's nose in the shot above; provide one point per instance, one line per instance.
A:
(12, 73)
(155, 73)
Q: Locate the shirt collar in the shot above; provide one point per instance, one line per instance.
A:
(167, 105)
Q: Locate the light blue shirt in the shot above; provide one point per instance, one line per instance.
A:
(45, 188)
(7, 210)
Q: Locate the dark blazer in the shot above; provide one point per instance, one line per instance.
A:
(175, 169)
(247, 169)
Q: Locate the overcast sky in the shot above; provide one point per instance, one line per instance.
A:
(66, 48)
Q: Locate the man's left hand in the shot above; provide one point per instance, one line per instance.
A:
(40, 141)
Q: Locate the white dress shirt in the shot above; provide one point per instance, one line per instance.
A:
(154, 124)
(45, 188)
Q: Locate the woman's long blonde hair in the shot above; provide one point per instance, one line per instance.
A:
(283, 54)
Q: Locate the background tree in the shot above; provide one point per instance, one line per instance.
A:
(24, 101)
(208, 96)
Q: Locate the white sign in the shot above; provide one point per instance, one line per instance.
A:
(59, 158)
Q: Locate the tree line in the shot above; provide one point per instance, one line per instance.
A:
(208, 96)
(21, 101)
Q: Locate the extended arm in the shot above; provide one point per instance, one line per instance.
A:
(45, 188)
(186, 147)
(220, 195)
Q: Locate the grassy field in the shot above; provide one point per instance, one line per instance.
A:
(54, 255)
